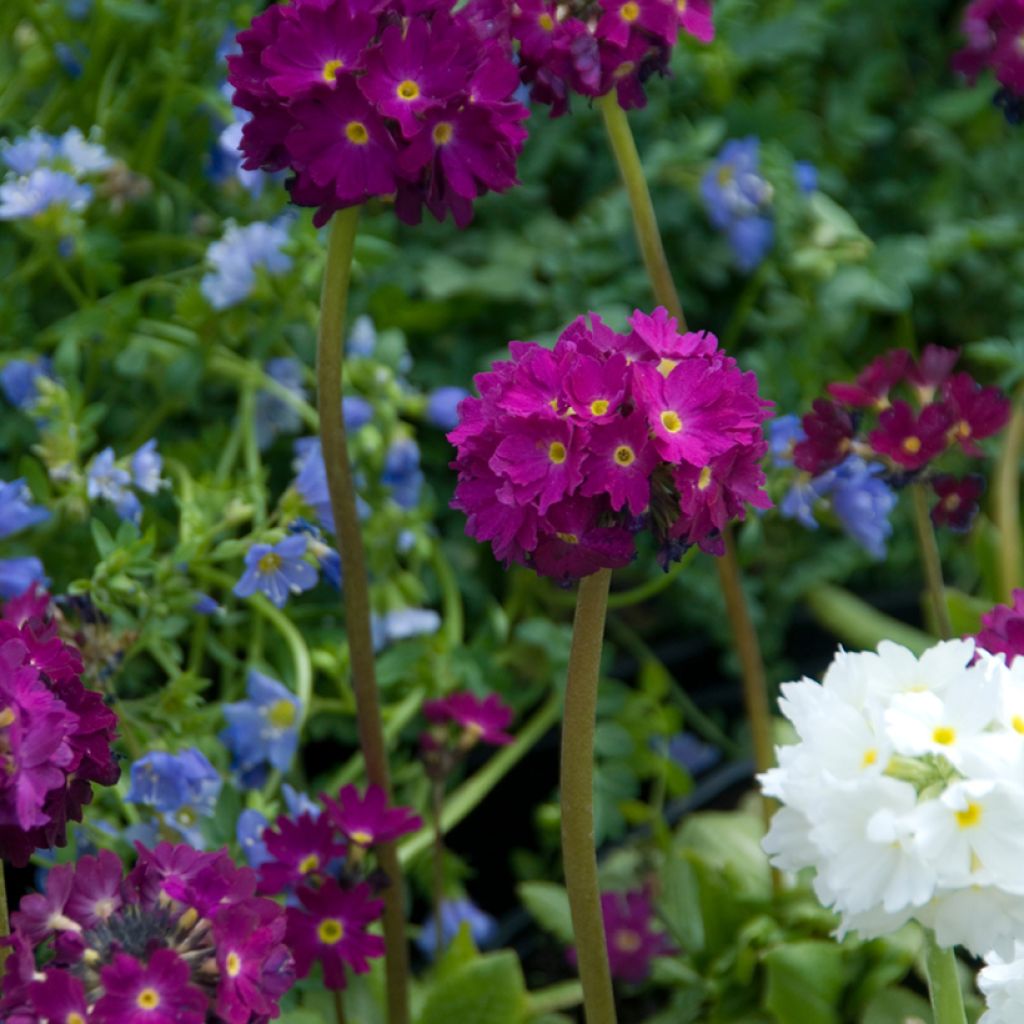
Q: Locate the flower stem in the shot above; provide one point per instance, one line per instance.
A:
(577, 780)
(1006, 502)
(944, 984)
(339, 1005)
(930, 560)
(437, 809)
(355, 592)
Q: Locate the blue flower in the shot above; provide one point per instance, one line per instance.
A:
(806, 175)
(227, 158)
(18, 380)
(356, 411)
(182, 787)
(751, 239)
(402, 472)
(83, 156)
(147, 464)
(363, 338)
(403, 624)
(298, 803)
(443, 407)
(783, 433)
(249, 831)
(799, 501)
(274, 416)
(455, 913)
(25, 154)
(311, 482)
(277, 571)
(16, 509)
(235, 258)
(692, 753)
(327, 557)
(18, 574)
(265, 727)
(40, 190)
(205, 605)
(863, 502)
(104, 479)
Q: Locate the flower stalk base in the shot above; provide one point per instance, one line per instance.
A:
(931, 562)
(944, 984)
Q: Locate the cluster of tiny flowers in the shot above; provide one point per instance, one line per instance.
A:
(234, 259)
(47, 171)
(181, 938)
(569, 453)
(739, 200)
(904, 793)
(632, 941)
(1002, 629)
(994, 29)
(946, 412)
(55, 735)
(364, 98)
(121, 481)
(321, 859)
(591, 47)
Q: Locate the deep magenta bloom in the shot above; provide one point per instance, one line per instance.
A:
(299, 849)
(569, 452)
(96, 892)
(367, 820)
(158, 992)
(931, 370)
(957, 503)
(976, 412)
(696, 19)
(423, 95)
(829, 433)
(331, 926)
(910, 440)
(873, 384)
(485, 720)
(1003, 629)
(993, 29)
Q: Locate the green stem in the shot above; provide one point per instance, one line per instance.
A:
(356, 592)
(437, 811)
(859, 625)
(649, 238)
(563, 995)
(944, 984)
(577, 781)
(339, 1006)
(931, 563)
(1006, 503)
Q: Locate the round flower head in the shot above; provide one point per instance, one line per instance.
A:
(180, 940)
(422, 95)
(591, 48)
(568, 453)
(993, 30)
(903, 792)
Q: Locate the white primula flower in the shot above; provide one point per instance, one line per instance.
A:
(981, 918)
(1002, 984)
(788, 841)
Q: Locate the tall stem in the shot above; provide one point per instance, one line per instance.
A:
(356, 593)
(437, 808)
(578, 854)
(944, 984)
(930, 560)
(1006, 501)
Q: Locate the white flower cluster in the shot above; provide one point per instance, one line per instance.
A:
(905, 793)
(1002, 984)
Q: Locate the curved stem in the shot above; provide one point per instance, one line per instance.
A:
(577, 779)
(356, 591)
(931, 563)
(944, 984)
(1006, 502)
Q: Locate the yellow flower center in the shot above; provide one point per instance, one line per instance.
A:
(270, 562)
(963, 428)
(355, 132)
(281, 714)
(546, 22)
(309, 863)
(598, 407)
(148, 999)
(670, 421)
(952, 502)
(233, 964)
(681, 6)
(869, 758)
(1018, 723)
(331, 69)
(557, 453)
(330, 931)
(725, 174)
(74, 1018)
(103, 908)
(704, 480)
(408, 90)
(362, 837)
(6, 717)
(911, 445)
(568, 538)
(970, 816)
(629, 11)
(624, 455)
(627, 940)
(944, 735)
(442, 133)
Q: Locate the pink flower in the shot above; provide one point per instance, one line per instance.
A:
(484, 720)
(367, 820)
(578, 545)
(931, 370)
(829, 433)
(976, 412)
(958, 500)
(542, 460)
(157, 992)
(874, 383)
(1003, 629)
(910, 440)
(695, 18)
(299, 850)
(620, 461)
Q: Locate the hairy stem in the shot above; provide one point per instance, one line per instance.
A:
(931, 563)
(577, 779)
(944, 984)
(356, 591)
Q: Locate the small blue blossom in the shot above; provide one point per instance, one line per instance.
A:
(249, 831)
(692, 753)
(182, 787)
(299, 803)
(264, 728)
(104, 479)
(403, 624)
(363, 338)
(227, 158)
(311, 479)
(863, 502)
(751, 239)
(19, 377)
(83, 156)
(71, 58)
(40, 190)
(205, 605)
(25, 154)
(443, 407)
(800, 500)
(274, 416)
(147, 464)
(402, 472)
(235, 258)
(784, 433)
(18, 574)
(356, 411)
(806, 175)
(277, 570)
(454, 914)
(327, 557)
(16, 509)
(78, 10)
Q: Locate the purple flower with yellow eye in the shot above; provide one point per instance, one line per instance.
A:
(277, 570)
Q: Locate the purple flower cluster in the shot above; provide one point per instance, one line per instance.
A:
(940, 412)
(570, 452)
(1002, 629)
(183, 939)
(591, 47)
(994, 29)
(55, 735)
(364, 98)
(321, 860)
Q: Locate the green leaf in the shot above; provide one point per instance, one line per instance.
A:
(894, 1004)
(462, 950)
(730, 842)
(804, 982)
(489, 990)
(548, 904)
(105, 544)
(680, 903)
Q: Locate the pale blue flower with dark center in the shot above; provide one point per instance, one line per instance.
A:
(17, 512)
(265, 727)
(277, 571)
